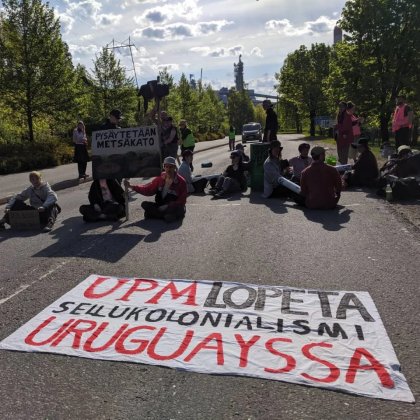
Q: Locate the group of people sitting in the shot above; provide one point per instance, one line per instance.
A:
(319, 184)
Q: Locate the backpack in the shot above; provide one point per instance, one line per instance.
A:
(405, 189)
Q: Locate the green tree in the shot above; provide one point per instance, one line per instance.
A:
(36, 73)
(301, 79)
(113, 89)
(380, 57)
(240, 109)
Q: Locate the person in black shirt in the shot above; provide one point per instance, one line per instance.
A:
(114, 118)
(233, 178)
(271, 123)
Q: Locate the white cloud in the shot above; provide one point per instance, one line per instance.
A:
(321, 25)
(66, 22)
(178, 31)
(256, 51)
(226, 51)
(108, 19)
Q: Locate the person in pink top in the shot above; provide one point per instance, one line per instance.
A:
(402, 122)
(345, 134)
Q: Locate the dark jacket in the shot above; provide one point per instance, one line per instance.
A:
(271, 124)
(95, 193)
(365, 170)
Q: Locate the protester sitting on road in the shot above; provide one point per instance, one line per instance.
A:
(170, 191)
(320, 183)
(193, 185)
(106, 201)
(274, 167)
(299, 163)
(241, 148)
(233, 178)
(41, 197)
(365, 171)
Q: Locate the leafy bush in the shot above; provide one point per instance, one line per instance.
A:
(26, 156)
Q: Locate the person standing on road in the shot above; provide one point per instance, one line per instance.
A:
(169, 138)
(402, 122)
(81, 156)
(187, 140)
(345, 134)
(170, 191)
(41, 197)
(320, 183)
(271, 122)
(232, 136)
(274, 167)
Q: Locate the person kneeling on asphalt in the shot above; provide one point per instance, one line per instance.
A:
(193, 185)
(106, 201)
(233, 178)
(320, 183)
(41, 197)
(274, 167)
(170, 191)
(365, 171)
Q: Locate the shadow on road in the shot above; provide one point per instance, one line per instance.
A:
(13, 233)
(155, 227)
(276, 205)
(332, 220)
(74, 240)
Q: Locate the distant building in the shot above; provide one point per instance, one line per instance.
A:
(238, 70)
(338, 34)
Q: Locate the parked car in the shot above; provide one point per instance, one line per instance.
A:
(251, 131)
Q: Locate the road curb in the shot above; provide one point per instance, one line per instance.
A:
(62, 185)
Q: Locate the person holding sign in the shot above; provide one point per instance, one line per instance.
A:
(41, 197)
(170, 191)
(106, 201)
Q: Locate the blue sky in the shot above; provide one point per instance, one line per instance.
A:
(189, 35)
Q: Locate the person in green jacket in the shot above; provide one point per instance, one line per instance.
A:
(187, 140)
(231, 138)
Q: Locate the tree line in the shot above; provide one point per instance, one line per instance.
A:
(378, 59)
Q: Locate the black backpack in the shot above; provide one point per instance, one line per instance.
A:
(405, 189)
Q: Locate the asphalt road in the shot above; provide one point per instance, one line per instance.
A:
(360, 246)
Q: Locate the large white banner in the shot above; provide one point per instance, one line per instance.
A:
(126, 152)
(328, 339)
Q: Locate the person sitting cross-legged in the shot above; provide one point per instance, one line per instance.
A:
(41, 197)
(170, 191)
(106, 201)
(193, 185)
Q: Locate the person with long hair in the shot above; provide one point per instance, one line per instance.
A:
(81, 156)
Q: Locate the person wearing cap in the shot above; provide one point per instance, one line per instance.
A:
(271, 122)
(114, 118)
(170, 191)
(233, 178)
(240, 148)
(320, 183)
(193, 185)
(274, 167)
(365, 171)
(299, 163)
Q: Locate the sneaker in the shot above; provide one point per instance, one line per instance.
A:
(213, 191)
(220, 194)
(48, 227)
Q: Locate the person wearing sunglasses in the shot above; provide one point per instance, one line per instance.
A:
(170, 191)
